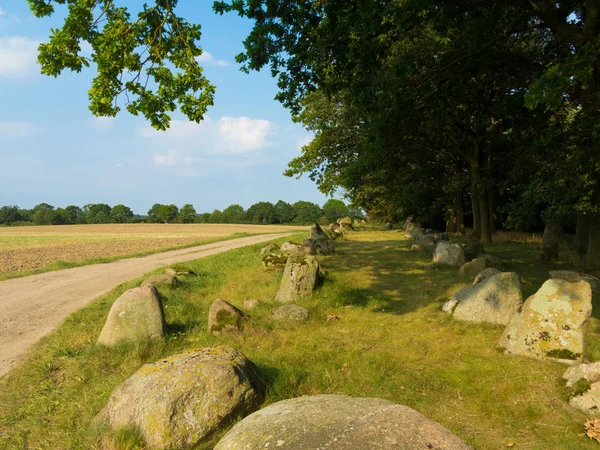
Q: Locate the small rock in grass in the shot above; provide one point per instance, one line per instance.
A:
(590, 372)
(223, 316)
(161, 279)
(291, 312)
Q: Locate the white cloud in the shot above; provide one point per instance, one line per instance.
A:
(101, 123)
(245, 133)
(303, 141)
(208, 59)
(18, 56)
(18, 130)
(5, 17)
(169, 160)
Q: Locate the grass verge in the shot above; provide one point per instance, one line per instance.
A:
(392, 341)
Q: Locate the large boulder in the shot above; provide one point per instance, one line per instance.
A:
(335, 230)
(589, 372)
(223, 316)
(317, 232)
(416, 233)
(589, 401)
(553, 322)
(136, 316)
(338, 422)
(290, 248)
(573, 277)
(291, 312)
(273, 261)
(473, 250)
(449, 253)
(178, 401)
(269, 248)
(433, 238)
(161, 279)
(473, 268)
(318, 246)
(494, 300)
(300, 278)
(487, 273)
(346, 223)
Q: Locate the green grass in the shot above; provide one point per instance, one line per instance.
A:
(59, 265)
(392, 341)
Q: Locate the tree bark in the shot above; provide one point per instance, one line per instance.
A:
(550, 240)
(582, 233)
(493, 204)
(460, 212)
(484, 211)
(476, 233)
(593, 250)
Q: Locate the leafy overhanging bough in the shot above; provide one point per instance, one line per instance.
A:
(147, 63)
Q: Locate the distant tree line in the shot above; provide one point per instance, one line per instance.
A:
(300, 213)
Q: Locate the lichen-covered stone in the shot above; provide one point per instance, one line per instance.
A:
(136, 316)
(494, 300)
(317, 232)
(300, 278)
(389, 226)
(448, 253)
(573, 277)
(291, 248)
(588, 402)
(487, 273)
(338, 422)
(318, 246)
(553, 322)
(223, 316)
(589, 372)
(273, 261)
(269, 248)
(416, 233)
(177, 272)
(291, 312)
(346, 223)
(433, 238)
(161, 279)
(178, 401)
(472, 268)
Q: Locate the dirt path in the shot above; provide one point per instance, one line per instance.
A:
(33, 306)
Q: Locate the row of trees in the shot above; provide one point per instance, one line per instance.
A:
(281, 212)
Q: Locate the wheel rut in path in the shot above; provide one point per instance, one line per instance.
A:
(33, 306)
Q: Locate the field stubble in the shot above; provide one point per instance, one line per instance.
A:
(32, 249)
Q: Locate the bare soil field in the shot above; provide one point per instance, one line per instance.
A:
(24, 249)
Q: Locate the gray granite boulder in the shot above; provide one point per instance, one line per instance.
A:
(136, 316)
(473, 268)
(300, 278)
(590, 372)
(494, 300)
(489, 272)
(223, 316)
(449, 253)
(588, 402)
(180, 400)
(318, 243)
(553, 322)
(338, 422)
(573, 277)
(291, 248)
(291, 312)
(433, 238)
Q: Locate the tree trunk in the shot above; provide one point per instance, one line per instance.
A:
(582, 233)
(593, 249)
(484, 211)
(460, 212)
(476, 233)
(550, 240)
(493, 203)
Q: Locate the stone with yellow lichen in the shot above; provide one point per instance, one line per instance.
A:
(178, 401)
(553, 322)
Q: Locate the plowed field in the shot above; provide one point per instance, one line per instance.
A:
(25, 249)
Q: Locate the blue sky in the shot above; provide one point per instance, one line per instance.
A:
(53, 150)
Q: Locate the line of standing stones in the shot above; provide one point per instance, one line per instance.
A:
(550, 324)
(183, 399)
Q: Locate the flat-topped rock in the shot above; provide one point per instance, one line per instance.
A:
(574, 277)
(339, 422)
(553, 322)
